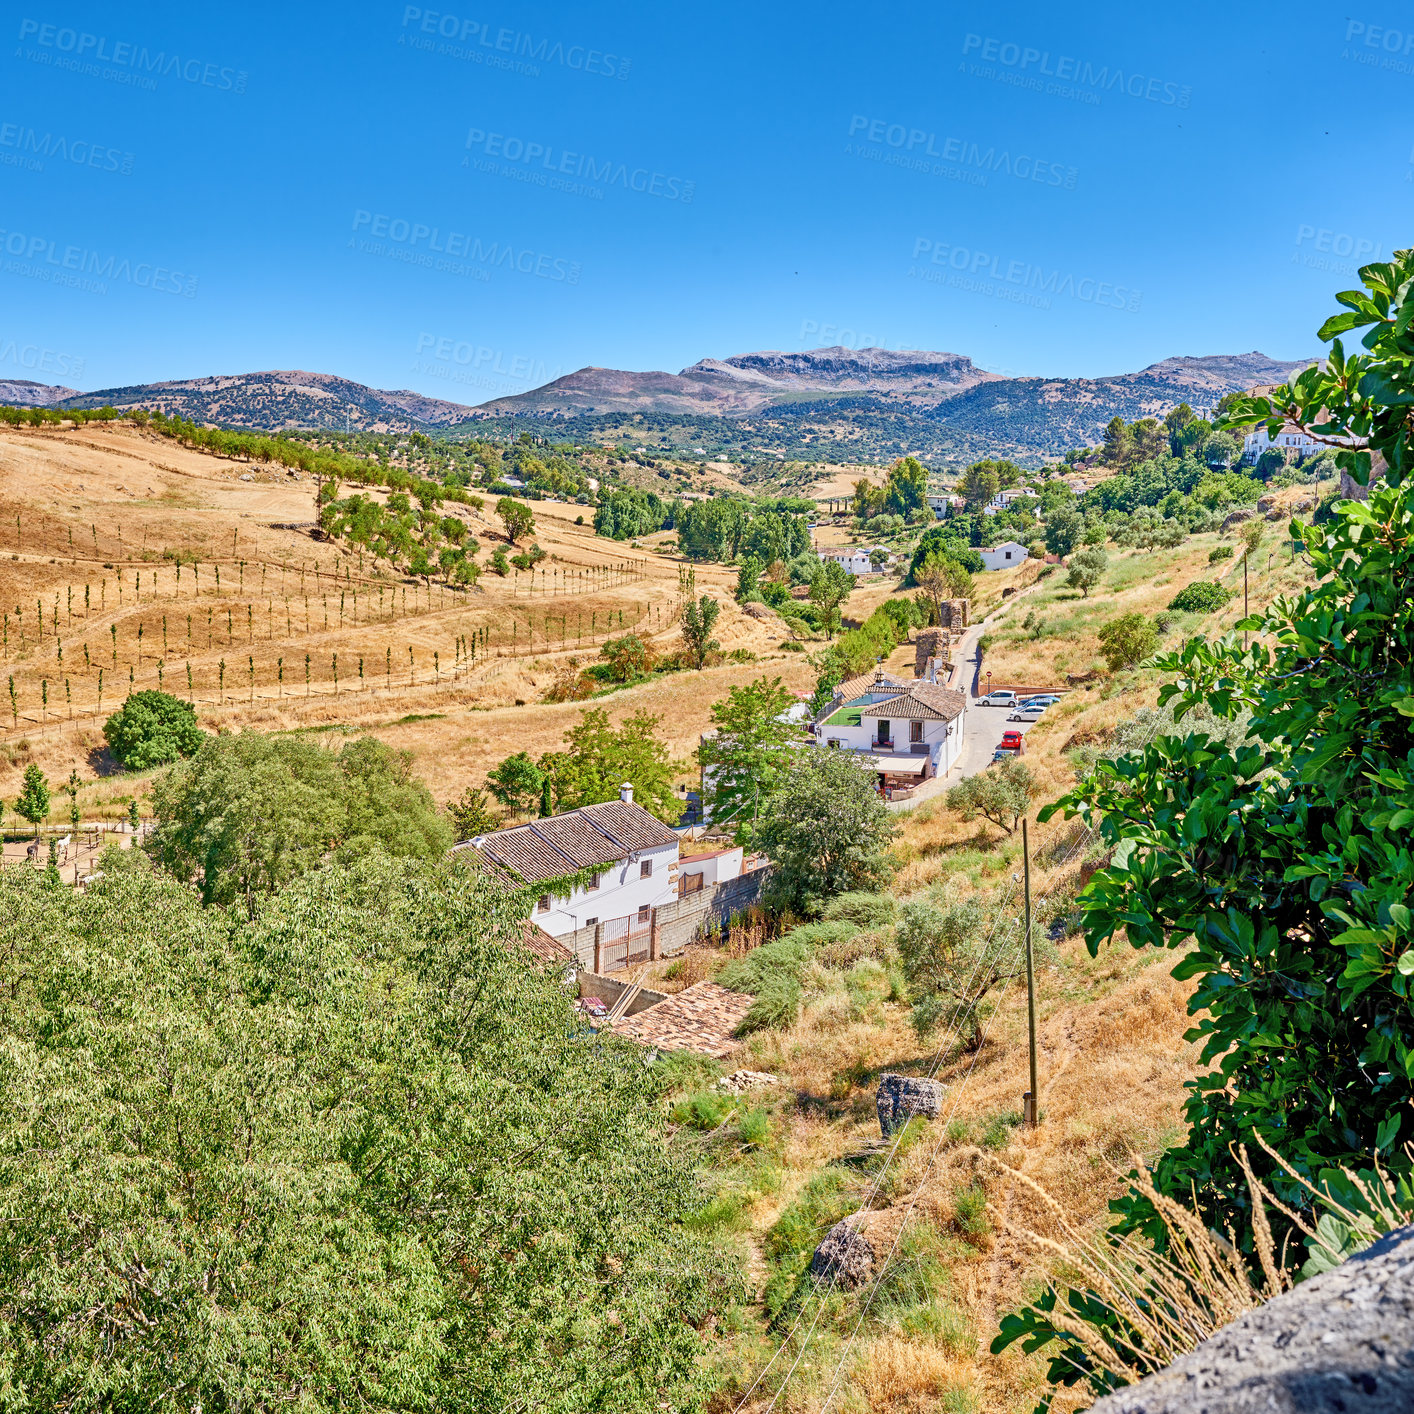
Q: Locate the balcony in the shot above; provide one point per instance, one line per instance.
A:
(901, 748)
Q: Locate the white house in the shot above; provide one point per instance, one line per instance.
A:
(711, 866)
(1289, 439)
(907, 732)
(853, 558)
(943, 506)
(1004, 556)
(633, 857)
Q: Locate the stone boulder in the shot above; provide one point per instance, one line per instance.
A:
(845, 1257)
(1342, 1341)
(1238, 517)
(1265, 503)
(900, 1097)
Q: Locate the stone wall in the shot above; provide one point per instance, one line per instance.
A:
(674, 925)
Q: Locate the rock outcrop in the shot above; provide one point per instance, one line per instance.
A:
(1343, 1341)
(900, 1097)
(845, 1257)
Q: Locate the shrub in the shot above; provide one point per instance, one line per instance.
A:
(1127, 640)
(1203, 596)
(153, 729)
(1219, 552)
(777, 1006)
(706, 1109)
(862, 909)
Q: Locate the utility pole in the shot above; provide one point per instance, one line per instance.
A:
(1029, 1110)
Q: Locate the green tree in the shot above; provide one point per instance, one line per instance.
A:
(321, 1158)
(953, 956)
(516, 783)
(1064, 527)
(1128, 640)
(1280, 870)
(250, 812)
(599, 759)
(1220, 450)
(33, 803)
(825, 829)
(907, 487)
(152, 729)
(1118, 449)
(1087, 568)
(1002, 794)
(471, 814)
(978, 485)
(629, 657)
(748, 579)
(698, 617)
(941, 577)
(743, 756)
(830, 585)
(516, 516)
(1203, 596)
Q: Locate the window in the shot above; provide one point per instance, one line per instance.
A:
(590, 922)
(544, 906)
(645, 870)
(883, 729)
(593, 882)
(835, 742)
(915, 731)
(1008, 554)
(643, 913)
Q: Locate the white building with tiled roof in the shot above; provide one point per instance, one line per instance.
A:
(631, 856)
(907, 732)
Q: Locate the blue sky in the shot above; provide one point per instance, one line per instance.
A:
(468, 202)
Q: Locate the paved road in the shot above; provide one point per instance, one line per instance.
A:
(983, 726)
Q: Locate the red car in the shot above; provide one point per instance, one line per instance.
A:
(1012, 741)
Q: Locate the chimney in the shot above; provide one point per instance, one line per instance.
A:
(626, 792)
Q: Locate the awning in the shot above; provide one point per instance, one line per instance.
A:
(897, 765)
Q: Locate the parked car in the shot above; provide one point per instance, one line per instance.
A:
(1045, 699)
(1004, 753)
(1026, 714)
(1012, 741)
(1002, 697)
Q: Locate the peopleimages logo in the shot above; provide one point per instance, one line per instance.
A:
(479, 42)
(1029, 66)
(559, 169)
(421, 244)
(1378, 46)
(1017, 281)
(21, 146)
(478, 365)
(40, 258)
(959, 159)
(84, 52)
(35, 359)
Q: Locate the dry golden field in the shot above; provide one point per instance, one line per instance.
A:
(94, 522)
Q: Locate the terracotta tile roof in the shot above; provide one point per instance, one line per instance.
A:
(579, 838)
(700, 1018)
(924, 700)
(630, 825)
(865, 683)
(543, 945)
(528, 854)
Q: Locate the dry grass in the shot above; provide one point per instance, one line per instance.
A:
(143, 496)
(905, 1375)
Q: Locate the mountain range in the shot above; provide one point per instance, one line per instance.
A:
(833, 404)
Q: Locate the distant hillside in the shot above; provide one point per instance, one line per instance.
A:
(1026, 419)
(277, 400)
(831, 404)
(748, 382)
(20, 392)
